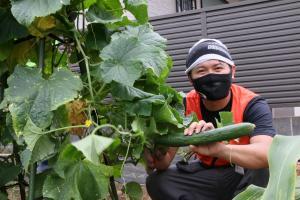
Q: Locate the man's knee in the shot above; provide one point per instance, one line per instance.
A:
(156, 184)
(153, 183)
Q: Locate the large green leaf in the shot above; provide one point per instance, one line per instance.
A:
(144, 34)
(84, 181)
(58, 188)
(133, 190)
(8, 172)
(31, 96)
(96, 36)
(252, 193)
(105, 11)
(116, 26)
(164, 114)
(61, 118)
(126, 58)
(11, 29)
(81, 178)
(92, 146)
(226, 118)
(138, 8)
(155, 59)
(39, 182)
(26, 10)
(144, 106)
(40, 144)
(283, 156)
(25, 158)
(120, 63)
(255, 193)
(32, 133)
(139, 124)
(88, 3)
(43, 149)
(139, 108)
(298, 187)
(128, 93)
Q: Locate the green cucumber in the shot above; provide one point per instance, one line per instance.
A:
(220, 134)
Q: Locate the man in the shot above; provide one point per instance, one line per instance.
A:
(220, 170)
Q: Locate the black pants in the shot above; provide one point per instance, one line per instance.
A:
(195, 182)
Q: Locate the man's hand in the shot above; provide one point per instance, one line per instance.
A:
(159, 159)
(211, 149)
(197, 127)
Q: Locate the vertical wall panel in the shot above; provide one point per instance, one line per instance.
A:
(263, 37)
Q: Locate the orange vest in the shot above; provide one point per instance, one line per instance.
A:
(240, 99)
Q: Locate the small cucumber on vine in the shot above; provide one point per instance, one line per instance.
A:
(220, 134)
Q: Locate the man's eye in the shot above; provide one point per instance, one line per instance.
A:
(200, 71)
(219, 68)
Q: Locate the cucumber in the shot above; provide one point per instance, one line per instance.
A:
(220, 134)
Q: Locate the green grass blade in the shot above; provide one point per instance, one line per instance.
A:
(283, 156)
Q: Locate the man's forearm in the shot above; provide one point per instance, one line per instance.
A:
(251, 156)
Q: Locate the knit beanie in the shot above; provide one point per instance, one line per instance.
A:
(207, 49)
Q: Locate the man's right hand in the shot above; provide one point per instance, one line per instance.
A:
(158, 159)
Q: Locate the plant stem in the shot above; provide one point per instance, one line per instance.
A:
(126, 155)
(32, 181)
(101, 89)
(60, 58)
(90, 112)
(86, 66)
(125, 121)
(41, 53)
(110, 126)
(20, 175)
(64, 128)
(21, 186)
(113, 189)
(124, 161)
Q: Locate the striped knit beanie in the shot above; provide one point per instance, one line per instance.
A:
(207, 49)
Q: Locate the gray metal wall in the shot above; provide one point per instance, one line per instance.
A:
(263, 37)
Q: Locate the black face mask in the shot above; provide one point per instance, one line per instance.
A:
(213, 86)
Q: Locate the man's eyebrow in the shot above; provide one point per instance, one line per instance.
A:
(199, 66)
(220, 62)
(214, 65)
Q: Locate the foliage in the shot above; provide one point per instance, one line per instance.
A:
(114, 106)
(283, 156)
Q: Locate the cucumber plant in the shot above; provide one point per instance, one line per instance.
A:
(80, 69)
(83, 68)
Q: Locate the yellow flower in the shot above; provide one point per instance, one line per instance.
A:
(88, 123)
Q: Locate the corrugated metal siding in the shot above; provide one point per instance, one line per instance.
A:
(263, 37)
(182, 31)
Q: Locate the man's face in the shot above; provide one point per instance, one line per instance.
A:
(211, 66)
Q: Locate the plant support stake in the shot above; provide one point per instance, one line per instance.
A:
(32, 181)
(34, 165)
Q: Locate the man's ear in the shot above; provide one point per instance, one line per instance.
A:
(190, 79)
(233, 68)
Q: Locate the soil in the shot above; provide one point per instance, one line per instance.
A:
(13, 193)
